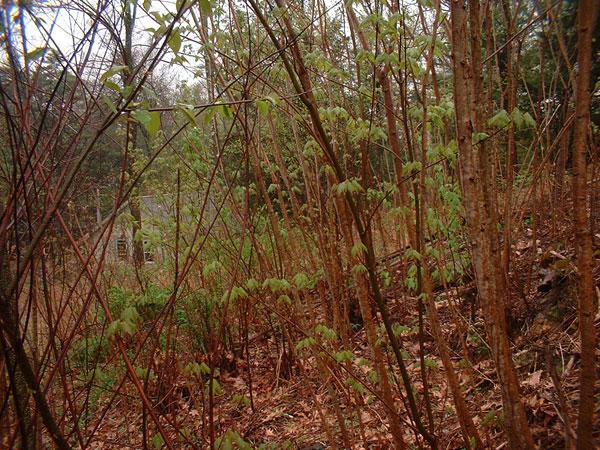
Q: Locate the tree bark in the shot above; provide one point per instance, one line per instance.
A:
(586, 19)
(485, 258)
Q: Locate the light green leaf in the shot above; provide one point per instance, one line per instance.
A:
(157, 441)
(276, 285)
(149, 119)
(285, 299)
(358, 249)
(189, 113)
(351, 186)
(239, 292)
(113, 328)
(112, 86)
(112, 71)
(234, 294)
(344, 355)
(35, 53)
(110, 104)
(356, 386)
(205, 7)
(301, 280)
(196, 369)
(328, 170)
(431, 363)
(399, 329)
(411, 166)
(326, 332)
(211, 267)
(411, 253)
(517, 118)
(528, 121)
(143, 373)
(216, 387)
(241, 444)
(386, 278)
(225, 111)
(305, 343)
(373, 377)
(263, 106)
(359, 268)
(500, 120)
(175, 41)
(480, 137)
(204, 368)
(252, 285)
(128, 327)
(130, 314)
(210, 113)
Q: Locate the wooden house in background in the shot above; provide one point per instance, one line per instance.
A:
(156, 215)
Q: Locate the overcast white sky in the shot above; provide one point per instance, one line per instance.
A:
(65, 26)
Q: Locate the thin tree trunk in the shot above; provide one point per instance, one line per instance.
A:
(588, 10)
(133, 129)
(485, 260)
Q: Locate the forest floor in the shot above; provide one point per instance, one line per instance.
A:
(293, 410)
